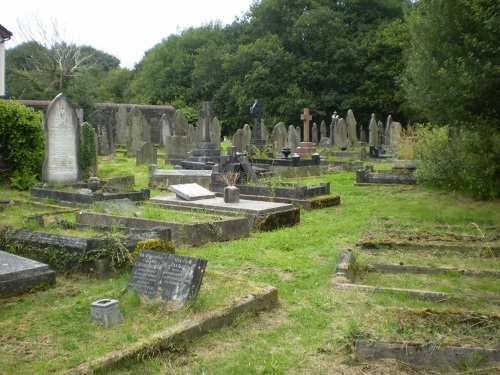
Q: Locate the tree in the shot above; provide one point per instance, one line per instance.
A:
(453, 70)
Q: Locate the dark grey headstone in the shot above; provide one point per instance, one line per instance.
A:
(247, 167)
(174, 277)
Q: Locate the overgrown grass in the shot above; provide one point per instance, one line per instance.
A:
(312, 329)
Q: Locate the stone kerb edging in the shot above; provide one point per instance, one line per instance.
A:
(428, 357)
(254, 302)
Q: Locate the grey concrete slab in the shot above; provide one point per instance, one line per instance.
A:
(13, 266)
(243, 206)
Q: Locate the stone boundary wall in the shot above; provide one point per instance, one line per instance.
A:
(152, 113)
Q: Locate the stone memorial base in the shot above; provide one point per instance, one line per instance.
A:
(19, 275)
(305, 148)
(107, 312)
(262, 216)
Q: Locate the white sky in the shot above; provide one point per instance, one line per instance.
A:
(124, 29)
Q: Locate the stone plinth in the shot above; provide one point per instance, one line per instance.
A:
(106, 311)
(305, 148)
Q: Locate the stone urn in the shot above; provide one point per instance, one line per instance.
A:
(231, 194)
(93, 184)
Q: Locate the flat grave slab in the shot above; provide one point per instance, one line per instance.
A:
(217, 203)
(19, 274)
(191, 192)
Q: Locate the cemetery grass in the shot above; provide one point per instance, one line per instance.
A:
(313, 328)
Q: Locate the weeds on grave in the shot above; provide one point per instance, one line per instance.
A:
(229, 178)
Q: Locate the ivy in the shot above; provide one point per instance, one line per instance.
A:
(88, 151)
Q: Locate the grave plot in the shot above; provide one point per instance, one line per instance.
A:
(191, 227)
(456, 275)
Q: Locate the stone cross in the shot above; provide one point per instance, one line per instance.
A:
(306, 117)
(257, 110)
(206, 113)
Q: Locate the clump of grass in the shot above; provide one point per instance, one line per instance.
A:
(405, 148)
(229, 178)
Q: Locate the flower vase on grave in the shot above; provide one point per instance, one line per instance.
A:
(231, 194)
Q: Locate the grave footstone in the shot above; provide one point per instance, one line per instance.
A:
(62, 134)
(169, 276)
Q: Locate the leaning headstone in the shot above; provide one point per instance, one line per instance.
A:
(121, 125)
(103, 127)
(146, 155)
(351, 128)
(167, 276)
(138, 131)
(247, 168)
(62, 135)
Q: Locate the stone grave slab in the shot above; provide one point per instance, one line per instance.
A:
(19, 274)
(191, 192)
(169, 276)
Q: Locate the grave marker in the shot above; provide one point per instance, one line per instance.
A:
(62, 135)
(191, 192)
(173, 277)
(306, 147)
(257, 110)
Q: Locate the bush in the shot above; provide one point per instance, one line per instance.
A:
(88, 152)
(22, 141)
(467, 160)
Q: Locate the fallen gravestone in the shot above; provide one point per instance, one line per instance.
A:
(191, 192)
(169, 276)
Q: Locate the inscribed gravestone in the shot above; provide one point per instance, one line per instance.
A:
(342, 132)
(170, 276)
(138, 131)
(373, 129)
(279, 138)
(62, 134)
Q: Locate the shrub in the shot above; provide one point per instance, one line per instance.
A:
(21, 141)
(88, 151)
(467, 160)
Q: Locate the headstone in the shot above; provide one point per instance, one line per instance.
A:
(293, 138)
(315, 134)
(342, 132)
(322, 130)
(387, 133)
(62, 136)
(247, 168)
(138, 131)
(191, 192)
(206, 113)
(258, 111)
(299, 132)
(247, 136)
(373, 128)
(238, 141)
(121, 125)
(146, 155)
(169, 276)
(334, 129)
(215, 132)
(180, 143)
(279, 138)
(351, 128)
(103, 127)
(165, 129)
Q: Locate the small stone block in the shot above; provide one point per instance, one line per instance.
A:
(191, 192)
(106, 311)
(231, 194)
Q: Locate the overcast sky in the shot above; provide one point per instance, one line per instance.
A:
(124, 29)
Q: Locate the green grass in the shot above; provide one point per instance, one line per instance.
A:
(312, 329)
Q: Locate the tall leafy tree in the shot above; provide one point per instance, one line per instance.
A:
(453, 70)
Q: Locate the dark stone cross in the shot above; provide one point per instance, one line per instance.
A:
(306, 117)
(206, 113)
(257, 110)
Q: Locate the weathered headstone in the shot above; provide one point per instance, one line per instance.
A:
(279, 138)
(247, 135)
(334, 129)
(180, 143)
(121, 117)
(322, 130)
(215, 132)
(342, 132)
(315, 134)
(293, 138)
(62, 136)
(103, 126)
(165, 129)
(351, 128)
(247, 168)
(238, 141)
(146, 155)
(138, 131)
(373, 128)
(191, 192)
(169, 276)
